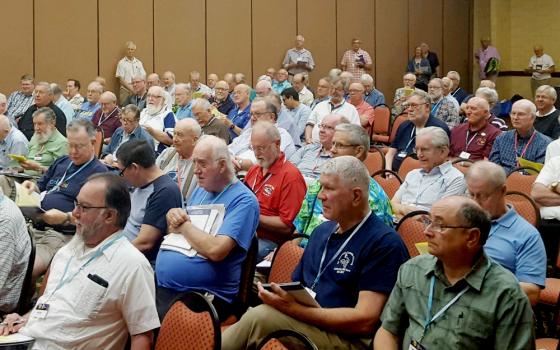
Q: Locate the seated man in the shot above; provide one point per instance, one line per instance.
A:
(183, 101)
(139, 92)
(240, 147)
(100, 288)
(297, 111)
(176, 161)
(20, 100)
(157, 119)
(108, 116)
(278, 185)
(402, 94)
(43, 98)
(61, 102)
(513, 242)
(16, 247)
(352, 280)
(418, 113)
(221, 99)
(523, 142)
(211, 125)
(281, 81)
(436, 178)
(457, 92)
(216, 269)
(372, 96)
(335, 104)
(474, 139)
(299, 82)
(239, 115)
(154, 194)
(348, 140)
(60, 185)
(46, 145)
(365, 110)
(547, 115)
(310, 158)
(12, 141)
(72, 93)
(477, 303)
(322, 91)
(130, 130)
(442, 108)
(89, 107)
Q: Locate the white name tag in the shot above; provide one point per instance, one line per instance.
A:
(464, 155)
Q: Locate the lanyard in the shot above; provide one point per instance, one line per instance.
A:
(429, 318)
(323, 269)
(101, 120)
(435, 108)
(63, 281)
(467, 141)
(262, 184)
(412, 138)
(526, 146)
(218, 196)
(57, 186)
(334, 108)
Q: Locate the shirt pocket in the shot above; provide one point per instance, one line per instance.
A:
(90, 298)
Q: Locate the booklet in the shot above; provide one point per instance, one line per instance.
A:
(16, 339)
(302, 294)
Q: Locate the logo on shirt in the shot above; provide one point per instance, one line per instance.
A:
(345, 260)
(482, 140)
(268, 189)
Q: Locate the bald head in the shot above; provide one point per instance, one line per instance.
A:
(486, 183)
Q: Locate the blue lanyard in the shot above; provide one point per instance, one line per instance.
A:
(218, 196)
(57, 186)
(435, 108)
(429, 318)
(412, 138)
(97, 254)
(333, 258)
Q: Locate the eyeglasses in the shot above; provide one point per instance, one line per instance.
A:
(154, 96)
(413, 105)
(81, 207)
(326, 127)
(340, 145)
(121, 173)
(258, 114)
(259, 149)
(435, 226)
(127, 121)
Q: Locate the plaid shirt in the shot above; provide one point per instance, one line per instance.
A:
(350, 59)
(505, 153)
(18, 103)
(445, 110)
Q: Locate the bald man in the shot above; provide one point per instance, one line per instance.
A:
(541, 66)
(298, 59)
(12, 141)
(474, 139)
(107, 117)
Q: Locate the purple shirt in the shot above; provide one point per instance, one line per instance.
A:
(484, 56)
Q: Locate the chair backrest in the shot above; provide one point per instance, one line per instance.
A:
(524, 206)
(520, 182)
(382, 123)
(411, 231)
(398, 121)
(409, 163)
(285, 260)
(375, 160)
(388, 180)
(462, 165)
(278, 340)
(99, 137)
(191, 323)
(28, 287)
(241, 302)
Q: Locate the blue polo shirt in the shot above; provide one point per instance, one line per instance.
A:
(405, 139)
(117, 139)
(369, 262)
(239, 117)
(62, 197)
(517, 245)
(182, 273)
(184, 112)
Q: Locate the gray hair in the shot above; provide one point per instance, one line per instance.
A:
(446, 82)
(351, 171)
(547, 89)
(270, 130)
(201, 103)
(139, 76)
(46, 85)
(183, 86)
(2, 97)
(5, 122)
(490, 173)
(527, 104)
(439, 137)
(81, 123)
(132, 109)
(488, 94)
(357, 135)
(366, 79)
(56, 89)
(264, 77)
(219, 151)
(270, 105)
(472, 215)
(423, 95)
(94, 85)
(455, 74)
(191, 125)
(50, 117)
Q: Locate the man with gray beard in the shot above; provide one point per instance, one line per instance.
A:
(157, 119)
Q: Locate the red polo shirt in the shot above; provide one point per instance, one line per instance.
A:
(280, 193)
(364, 108)
(479, 142)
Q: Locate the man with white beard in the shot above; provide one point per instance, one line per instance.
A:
(157, 119)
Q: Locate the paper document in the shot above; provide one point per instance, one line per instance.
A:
(15, 339)
(26, 199)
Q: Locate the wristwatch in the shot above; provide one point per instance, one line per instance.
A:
(554, 186)
(232, 126)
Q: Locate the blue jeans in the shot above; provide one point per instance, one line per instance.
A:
(265, 247)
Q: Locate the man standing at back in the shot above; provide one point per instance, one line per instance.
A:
(298, 59)
(128, 67)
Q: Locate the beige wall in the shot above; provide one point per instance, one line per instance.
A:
(60, 39)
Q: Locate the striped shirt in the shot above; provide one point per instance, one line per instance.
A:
(18, 103)
(505, 153)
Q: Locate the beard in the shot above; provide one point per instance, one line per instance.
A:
(42, 138)
(153, 109)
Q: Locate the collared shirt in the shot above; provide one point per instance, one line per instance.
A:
(444, 109)
(494, 313)
(517, 245)
(318, 100)
(278, 87)
(279, 193)
(127, 69)
(45, 154)
(478, 143)
(422, 189)
(119, 137)
(15, 246)
(86, 110)
(483, 56)
(305, 96)
(505, 154)
(309, 159)
(108, 122)
(108, 314)
(300, 116)
(374, 98)
(550, 173)
(540, 63)
(66, 108)
(327, 107)
(460, 95)
(217, 128)
(179, 170)
(25, 124)
(294, 55)
(184, 111)
(14, 143)
(224, 106)
(76, 102)
(239, 147)
(137, 100)
(18, 103)
(552, 150)
(164, 121)
(365, 109)
(548, 124)
(286, 121)
(351, 58)
(239, 117)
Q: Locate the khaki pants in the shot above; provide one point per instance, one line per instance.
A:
(123, 95)
(536, 83)
(8, 187)
(262, 320)
(47, 243)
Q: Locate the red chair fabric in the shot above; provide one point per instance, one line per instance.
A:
(411, 231)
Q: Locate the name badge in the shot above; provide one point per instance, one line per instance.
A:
(402, 154)
(464, 155)
(40, 311)
(38, 158)
(311, 292)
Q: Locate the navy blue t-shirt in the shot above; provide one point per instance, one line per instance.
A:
(64, 196)
(369, 262)
(405, 139)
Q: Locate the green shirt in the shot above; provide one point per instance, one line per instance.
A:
(494, 313)
(47, 153)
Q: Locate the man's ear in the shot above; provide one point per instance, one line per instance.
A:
(473, 238)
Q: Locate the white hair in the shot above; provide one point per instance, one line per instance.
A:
(439, 137)
(351, 171)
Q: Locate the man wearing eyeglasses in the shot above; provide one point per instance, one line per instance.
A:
(356, 98)
(417, 109)
(456, 297)
(60, 185)
(108, 117)
(221, 99)
(157, 119)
